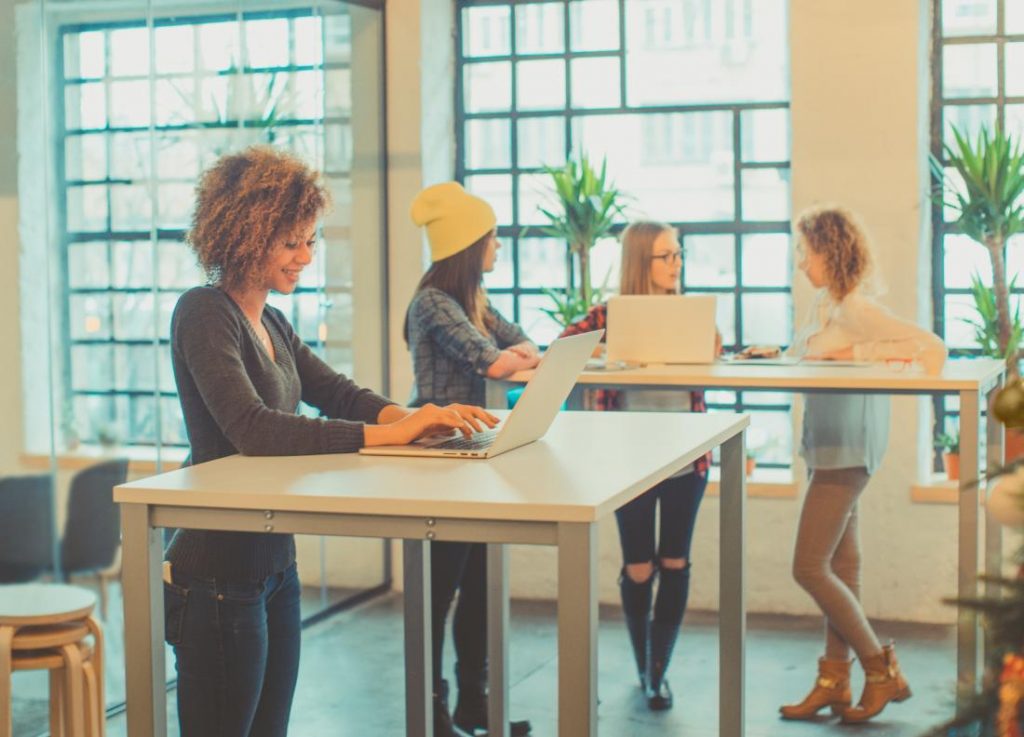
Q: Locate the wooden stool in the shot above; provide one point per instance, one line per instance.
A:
(44, 626)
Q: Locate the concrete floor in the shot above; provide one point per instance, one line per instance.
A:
(351, 677)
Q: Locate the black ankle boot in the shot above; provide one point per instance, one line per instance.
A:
(662, 642)
(636, 606)
(471, 706)
(443, 726)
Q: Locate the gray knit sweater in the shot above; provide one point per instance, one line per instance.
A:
(237, 400)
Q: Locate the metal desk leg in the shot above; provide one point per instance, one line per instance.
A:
(497, 639)
(967, 565)
(145, 674)
(419, 705)
(577, 629)
(994, 450)
(732, 601)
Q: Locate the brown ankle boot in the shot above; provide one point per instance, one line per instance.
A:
(883, 683)
(831, 689)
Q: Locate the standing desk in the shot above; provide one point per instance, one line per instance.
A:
(970, 379)
(550, 492)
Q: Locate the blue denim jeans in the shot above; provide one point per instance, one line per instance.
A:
(680, 499)
(236, 644)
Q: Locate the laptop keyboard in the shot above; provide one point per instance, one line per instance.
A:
(476, 441)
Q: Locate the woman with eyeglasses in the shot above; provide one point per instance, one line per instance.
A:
(844, 438)
(652, 260)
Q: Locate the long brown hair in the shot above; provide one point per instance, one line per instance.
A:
(837, 235)
(637, 248)
(461, 276)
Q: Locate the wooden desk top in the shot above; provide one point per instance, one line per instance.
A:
(587, 465)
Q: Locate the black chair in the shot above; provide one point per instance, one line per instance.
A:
(26, 527)
(92, 530)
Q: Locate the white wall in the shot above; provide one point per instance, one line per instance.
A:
(859, 124)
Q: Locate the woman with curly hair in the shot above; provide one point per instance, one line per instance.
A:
(231, 599)
(844, 438)
(652, 261)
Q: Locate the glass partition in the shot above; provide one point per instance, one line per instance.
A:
(121, 104)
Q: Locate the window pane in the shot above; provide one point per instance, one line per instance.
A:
(488, 144)
(130, 155)
(177, 155)
(133, 316)
(1015, 69)
(967, 119)
(136, 367)
(1014, 17)
(310, 317)
(766, 194)
(770, 436)
(765, 135)
(84, 55)
(701, 190)
(92, 367)
(87, 208)
(132, 264)
(88, 265)
(540, 85)
(129, 52)
(766, 260)
(725, 318)
(540, 29)
(675, 55)
(175, 101)
(85, 157)
(85, 106)
(129, 104)
(710, 260)
(503, 303)
(595, 82)
(487, 86)
(594, 25)
(89, 316)
(541, 142)
(964, 258)
(218, 45)
(767, 319)
(266, 42)
(535, 191)
(969, 17)
(309, 49)
(502, 276)
(969, 70)
(1015, 120)
(175, 49)
(712, 397)
(178, 267)
(485, 31)
(541, 328)
(130, 207)
(497, 190)
(542, 263)
(959, 308)
(175, 203)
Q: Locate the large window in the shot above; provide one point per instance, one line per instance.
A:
(978, 79)
(143, 111)
(688, 100)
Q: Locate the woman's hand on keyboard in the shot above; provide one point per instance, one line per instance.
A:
(431, 419)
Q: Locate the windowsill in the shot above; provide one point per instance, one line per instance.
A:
(936, 490)
(764, 483)
(141, 461)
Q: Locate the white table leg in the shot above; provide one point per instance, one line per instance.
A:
(497, 639)
(732, 600)
(577, 629)
(419, 706)
(995, 445)
(145, 675)
(967, 566)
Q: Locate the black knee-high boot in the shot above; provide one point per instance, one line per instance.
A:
(673, 592)
(636, 606)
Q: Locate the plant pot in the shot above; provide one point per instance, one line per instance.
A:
(751, 465)
(951, 462)
(1014, 447)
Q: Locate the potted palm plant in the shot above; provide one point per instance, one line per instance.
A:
(585, 206)
(949, 444)
(986, 193)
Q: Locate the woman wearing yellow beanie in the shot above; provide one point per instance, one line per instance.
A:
(457, 339)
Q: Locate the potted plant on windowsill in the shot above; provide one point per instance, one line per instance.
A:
(949, 444)
(585, 205)
(987, 195)
(751, 462)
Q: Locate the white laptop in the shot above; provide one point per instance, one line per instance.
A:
(660, 328)
(533, 414)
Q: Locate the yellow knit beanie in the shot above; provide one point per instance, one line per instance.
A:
(455, 219)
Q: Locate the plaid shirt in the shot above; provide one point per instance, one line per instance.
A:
(450, 357)
(608, 399)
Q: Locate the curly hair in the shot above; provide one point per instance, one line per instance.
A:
(245, 202)
(836, 234)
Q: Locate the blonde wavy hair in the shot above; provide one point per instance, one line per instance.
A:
(637, 248)
(245, 203)
(837, 235)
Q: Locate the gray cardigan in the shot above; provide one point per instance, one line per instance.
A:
(237, 400)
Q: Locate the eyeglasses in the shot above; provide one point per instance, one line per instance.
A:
(669, 257)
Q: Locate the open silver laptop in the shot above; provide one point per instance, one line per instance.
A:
(661, 328)
(529, 419)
